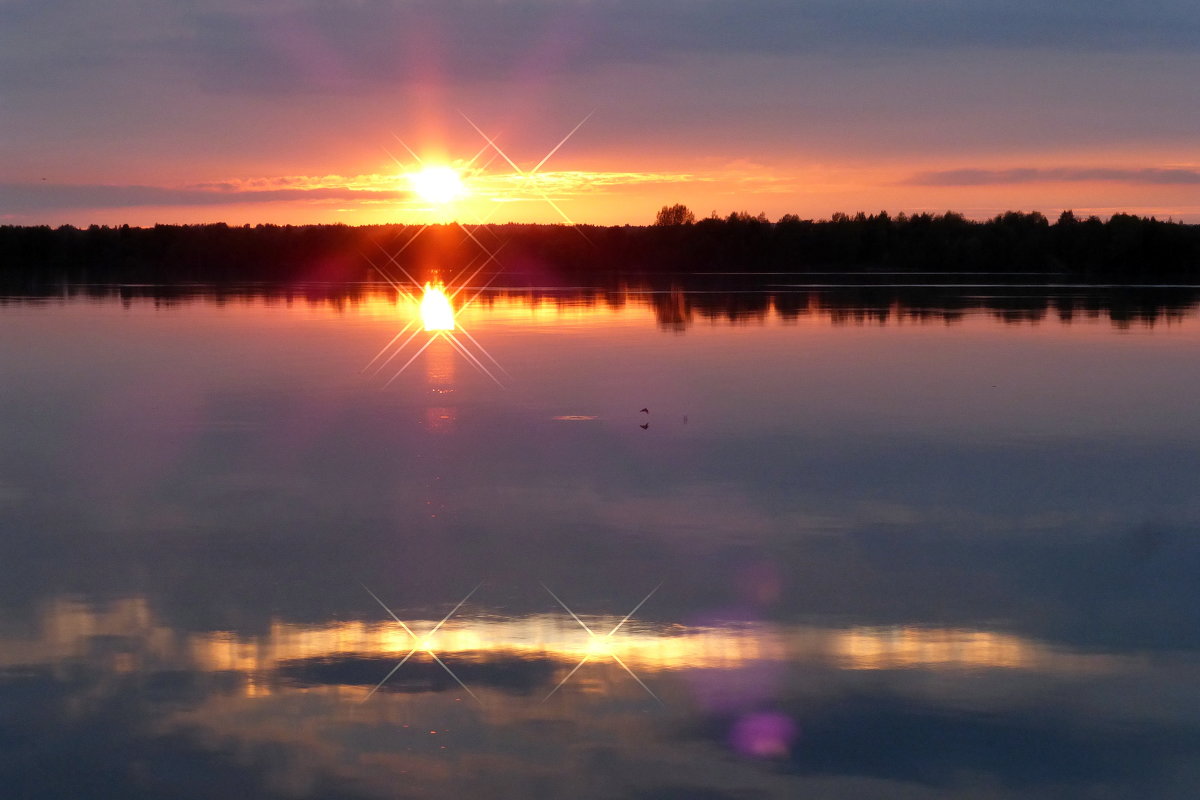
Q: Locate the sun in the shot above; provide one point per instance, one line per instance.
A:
(437, 184)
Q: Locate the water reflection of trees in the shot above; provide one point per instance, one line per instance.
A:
(678, 302)
(741, 269)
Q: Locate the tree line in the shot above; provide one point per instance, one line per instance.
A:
(1123, 248)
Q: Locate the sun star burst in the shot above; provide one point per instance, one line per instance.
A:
(442, 185)
(437, 184)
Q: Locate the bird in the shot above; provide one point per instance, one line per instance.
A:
(644, 426)
(645, 411)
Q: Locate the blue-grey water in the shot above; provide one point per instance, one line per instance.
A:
(786, 542)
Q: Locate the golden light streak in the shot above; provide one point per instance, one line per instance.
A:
(601, 645)
(67, 630)
(422, 643)
(381, 187)
(909, 647)
(655, 649)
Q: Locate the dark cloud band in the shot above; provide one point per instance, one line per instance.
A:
(349, 45)
(988, 177)
(24, 197)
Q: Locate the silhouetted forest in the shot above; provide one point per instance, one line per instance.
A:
(1124, 248)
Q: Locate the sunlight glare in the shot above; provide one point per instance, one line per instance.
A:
(599, 646)
(436, 312)
(437, 184)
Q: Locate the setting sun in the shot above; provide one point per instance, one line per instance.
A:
(437, 185)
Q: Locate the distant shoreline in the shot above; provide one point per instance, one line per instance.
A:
(1123, 249)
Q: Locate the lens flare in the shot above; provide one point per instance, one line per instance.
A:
(439, 186)
(436, 312)
(767, 734)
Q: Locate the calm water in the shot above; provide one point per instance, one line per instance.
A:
(784, 542)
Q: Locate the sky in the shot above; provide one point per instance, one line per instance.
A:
(594, 111)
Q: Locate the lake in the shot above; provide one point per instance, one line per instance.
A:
(800, 535)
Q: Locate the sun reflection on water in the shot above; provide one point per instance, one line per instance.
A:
(437, 313)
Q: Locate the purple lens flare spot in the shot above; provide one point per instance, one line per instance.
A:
(765, 734)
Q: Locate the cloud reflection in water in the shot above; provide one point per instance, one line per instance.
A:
(70, 630)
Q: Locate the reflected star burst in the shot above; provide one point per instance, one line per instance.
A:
(601, 645)
(421, 643)
(437, 316)
(442, 184)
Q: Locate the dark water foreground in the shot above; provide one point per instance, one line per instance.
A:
(864, 541)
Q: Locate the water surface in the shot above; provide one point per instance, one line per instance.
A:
(862, 542)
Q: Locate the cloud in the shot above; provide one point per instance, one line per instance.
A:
(338, 189)
(25, 197)
(350, 45)
(374, 182)
(1153, 176)
(508, 186)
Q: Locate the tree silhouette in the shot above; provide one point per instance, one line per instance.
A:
(677, 214)
(1122, 248)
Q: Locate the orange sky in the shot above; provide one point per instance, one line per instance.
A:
(602, 196)
(290, 111)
